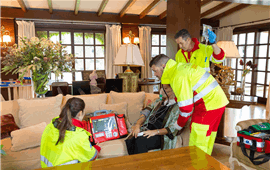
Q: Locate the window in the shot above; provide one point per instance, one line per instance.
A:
(253, 46)
(158, 46)
(88, 48)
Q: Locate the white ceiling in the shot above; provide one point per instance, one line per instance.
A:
(113, 6)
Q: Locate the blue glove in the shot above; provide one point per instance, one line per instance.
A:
(212, 36)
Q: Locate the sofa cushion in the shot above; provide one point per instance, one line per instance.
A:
(149, 98)
(92, 101)
(120, 108)
(36, 111)
(135, 104)
(22, 160)
(27, 137)
(238, 154)
(113, 148)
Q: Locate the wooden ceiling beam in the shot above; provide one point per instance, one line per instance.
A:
(205, 2)
(102, 7)
(22, 5)
(251, 2)
(149, 8)
(77, 4)
(230, 11)
(50, 6)
(216, 8)
(126, 7)
(163, 15)
(8, 12)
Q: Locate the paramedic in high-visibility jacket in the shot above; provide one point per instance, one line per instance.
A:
(64, 141)
(198, 95)
(192, 51)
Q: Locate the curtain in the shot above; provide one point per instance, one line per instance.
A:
(145, 48)
(268, 104)
(113, 42)
(25, 29)
(225, 34)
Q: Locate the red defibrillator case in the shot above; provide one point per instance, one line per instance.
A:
(106, 125)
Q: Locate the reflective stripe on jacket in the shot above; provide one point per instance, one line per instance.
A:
(187, 79)
(198, 56)
(75, 148)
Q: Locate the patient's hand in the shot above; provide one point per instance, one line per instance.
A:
(135, 130)
(149, 133)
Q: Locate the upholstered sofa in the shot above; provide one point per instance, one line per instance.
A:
(237, 155)
(32, 116)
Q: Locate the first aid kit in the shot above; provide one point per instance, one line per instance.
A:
(257, 139)
(106, 125)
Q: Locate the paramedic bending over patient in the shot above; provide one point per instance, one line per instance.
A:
(64, 141)
(157, 123)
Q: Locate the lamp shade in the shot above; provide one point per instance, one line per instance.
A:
(129, 54)
(126, 40)
(136, 40)
(6, 38)
(229, 48)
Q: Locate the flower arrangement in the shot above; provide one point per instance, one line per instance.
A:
(247, 67)
(41, 56)
(223, 74)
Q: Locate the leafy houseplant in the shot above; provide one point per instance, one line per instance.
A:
(41, 57)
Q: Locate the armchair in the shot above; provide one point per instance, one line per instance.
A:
(236, 152)
(60, 88)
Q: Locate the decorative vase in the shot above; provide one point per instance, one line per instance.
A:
(243, 82)
(40, 80)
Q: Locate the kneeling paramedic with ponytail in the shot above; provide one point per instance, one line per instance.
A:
(64, 141)
(197, 94)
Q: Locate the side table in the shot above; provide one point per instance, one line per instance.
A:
(235, 104)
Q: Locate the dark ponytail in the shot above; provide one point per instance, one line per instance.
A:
(72, 107)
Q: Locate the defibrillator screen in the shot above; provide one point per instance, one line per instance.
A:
(104, 124)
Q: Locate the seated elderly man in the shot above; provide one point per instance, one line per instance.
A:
(156, 122)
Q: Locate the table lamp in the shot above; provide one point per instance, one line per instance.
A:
(128, 55)
(229, 48)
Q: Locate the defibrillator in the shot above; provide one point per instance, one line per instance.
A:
(106, 125)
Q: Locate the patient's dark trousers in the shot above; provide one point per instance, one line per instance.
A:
(142, 144)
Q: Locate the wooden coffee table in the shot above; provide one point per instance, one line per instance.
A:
(190, 157)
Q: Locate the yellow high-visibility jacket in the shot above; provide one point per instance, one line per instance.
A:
(198, 55)
(190, 84)
(75, 148)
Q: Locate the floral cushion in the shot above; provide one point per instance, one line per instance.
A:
(7, 125)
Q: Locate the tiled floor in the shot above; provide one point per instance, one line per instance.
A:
(233, 116)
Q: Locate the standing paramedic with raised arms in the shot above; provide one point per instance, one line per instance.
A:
(192, 51)
(197, 94)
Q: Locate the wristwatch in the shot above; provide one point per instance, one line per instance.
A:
(157, 131)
